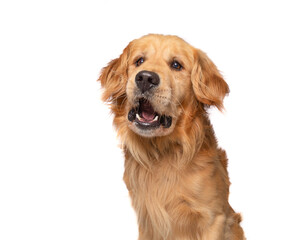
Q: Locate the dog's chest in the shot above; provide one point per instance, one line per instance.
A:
(154, 193)
(164, 196)
(162, 183)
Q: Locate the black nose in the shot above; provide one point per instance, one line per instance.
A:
(145, 80)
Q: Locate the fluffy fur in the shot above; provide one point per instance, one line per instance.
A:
(177, 177)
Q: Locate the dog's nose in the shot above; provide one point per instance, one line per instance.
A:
(145, 80)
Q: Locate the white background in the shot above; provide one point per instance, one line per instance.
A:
(60, 167)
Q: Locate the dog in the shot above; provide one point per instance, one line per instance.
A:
(159, 91)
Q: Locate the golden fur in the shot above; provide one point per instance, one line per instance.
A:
(177, 177)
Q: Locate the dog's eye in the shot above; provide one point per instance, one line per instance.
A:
(176, 65)
(139, 61)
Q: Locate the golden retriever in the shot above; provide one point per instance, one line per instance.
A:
(159, 91)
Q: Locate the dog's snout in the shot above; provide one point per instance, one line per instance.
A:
(145, 80)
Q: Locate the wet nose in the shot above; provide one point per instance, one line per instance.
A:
(145, 80)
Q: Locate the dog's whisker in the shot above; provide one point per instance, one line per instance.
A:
(177, 104)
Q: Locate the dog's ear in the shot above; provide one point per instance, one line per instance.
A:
(208, 84)
(113, 77)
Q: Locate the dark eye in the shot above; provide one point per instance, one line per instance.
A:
(176, 65)
(139, 61)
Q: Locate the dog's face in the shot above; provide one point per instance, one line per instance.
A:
(159, 70)
(155, 80)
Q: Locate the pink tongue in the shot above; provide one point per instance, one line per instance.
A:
(148, 116)
(148, 112)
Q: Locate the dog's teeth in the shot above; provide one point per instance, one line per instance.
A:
(138, 116)
(156, 118)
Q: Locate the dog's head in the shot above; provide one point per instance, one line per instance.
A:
(157, 81)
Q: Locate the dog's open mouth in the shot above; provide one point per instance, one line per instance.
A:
(145, 117)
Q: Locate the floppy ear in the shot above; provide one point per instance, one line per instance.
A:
(208, 84)
(113, 78)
